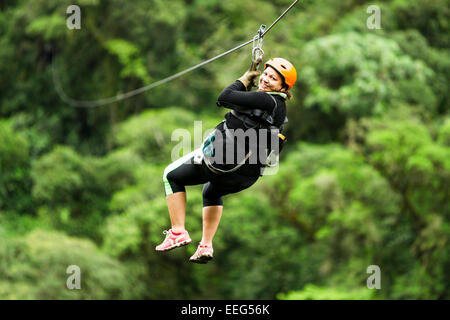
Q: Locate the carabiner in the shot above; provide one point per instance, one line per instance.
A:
(257, 51)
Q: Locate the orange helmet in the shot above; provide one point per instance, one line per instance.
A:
(285, 68)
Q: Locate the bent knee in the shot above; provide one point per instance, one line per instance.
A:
(211, 196)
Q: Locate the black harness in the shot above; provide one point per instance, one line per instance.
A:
(256, 118)
(251, 119)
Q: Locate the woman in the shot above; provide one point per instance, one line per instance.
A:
(220, 179)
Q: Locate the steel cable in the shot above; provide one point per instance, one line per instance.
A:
(99, 102)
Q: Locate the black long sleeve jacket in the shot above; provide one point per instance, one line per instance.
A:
(236, 95)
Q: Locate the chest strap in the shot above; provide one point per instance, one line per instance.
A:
(257, 118)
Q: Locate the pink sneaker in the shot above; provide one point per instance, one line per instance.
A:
(173, 241)
(203, 254)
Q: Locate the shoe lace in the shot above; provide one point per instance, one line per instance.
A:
(166, 233)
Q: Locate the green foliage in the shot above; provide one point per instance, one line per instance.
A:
(259, 240)
(14, 224)
(312, 292)
(14, 169)
(34, 267)
(417, 168)
(338, 202)
(136, 229)
(73, 191)
(58, 174)
(416, 46)
(362, 74)
(151, 133)
(430, 18)
(364, 178)
(444, 133)
(414, 164)
(127, 52)
(49, 26)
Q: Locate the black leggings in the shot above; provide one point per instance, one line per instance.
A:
(184, 172)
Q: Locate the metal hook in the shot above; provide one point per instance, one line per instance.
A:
(257, 51)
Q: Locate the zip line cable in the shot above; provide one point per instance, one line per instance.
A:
(99, 102)
(280, 17)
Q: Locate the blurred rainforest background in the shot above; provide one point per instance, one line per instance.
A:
(364, 179)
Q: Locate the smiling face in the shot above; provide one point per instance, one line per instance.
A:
(270, 80)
